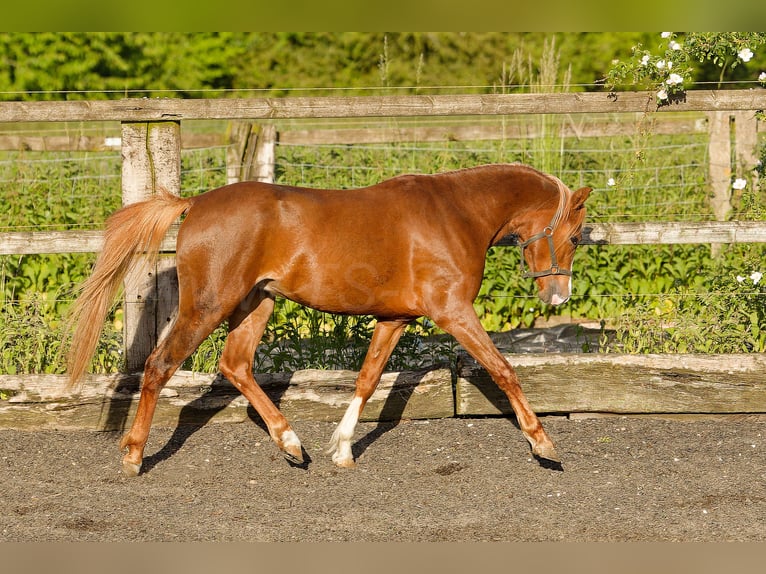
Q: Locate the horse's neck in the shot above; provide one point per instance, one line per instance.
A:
(503, 198)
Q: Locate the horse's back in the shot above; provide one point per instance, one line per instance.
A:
(392, 204)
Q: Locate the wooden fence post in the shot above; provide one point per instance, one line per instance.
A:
(151, 158)
(745, 146)
(719, 163)
(251, 152)
(265, 153)
(238, 138)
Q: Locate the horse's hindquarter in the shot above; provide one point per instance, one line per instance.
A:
(388, 250)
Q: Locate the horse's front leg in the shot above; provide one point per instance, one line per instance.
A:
(384, 339)
(467, 330)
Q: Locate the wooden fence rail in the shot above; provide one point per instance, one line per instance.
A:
(164, 109)
(666, 233)
(150, 144)
(456, 129)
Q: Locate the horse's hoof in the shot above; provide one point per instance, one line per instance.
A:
(293, 454)
(131, 468)
(291, 446)
(344, 462)
(546, 452)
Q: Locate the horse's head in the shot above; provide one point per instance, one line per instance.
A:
(549, 251)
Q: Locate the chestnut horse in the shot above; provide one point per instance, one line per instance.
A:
(411, 246)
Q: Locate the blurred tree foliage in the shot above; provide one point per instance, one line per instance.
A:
(43, 65)
(53, 65)
(89, 65)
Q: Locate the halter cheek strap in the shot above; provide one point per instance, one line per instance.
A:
(554, 269)
(547, 233)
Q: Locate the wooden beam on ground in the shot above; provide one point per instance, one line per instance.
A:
(572, 383)
(553, 383)
(108, 402)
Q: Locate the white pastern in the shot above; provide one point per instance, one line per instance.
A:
(340, 444)
(289, 438)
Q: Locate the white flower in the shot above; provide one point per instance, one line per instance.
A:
(739, 183)
(674, 79)
(674, 45)
(756, 276)
(661, 64)
(645, 60)
(610, 182)
(762, 77)
(666, 34)
(662, 95)
(740, 279)
(745, 54)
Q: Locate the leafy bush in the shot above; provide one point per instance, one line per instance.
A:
(728, 315)
(32, 334)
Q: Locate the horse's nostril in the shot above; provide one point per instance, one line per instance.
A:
(557, 299)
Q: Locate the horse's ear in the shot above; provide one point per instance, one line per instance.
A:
(579, 197)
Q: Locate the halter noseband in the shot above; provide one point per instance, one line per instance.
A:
(547, 233)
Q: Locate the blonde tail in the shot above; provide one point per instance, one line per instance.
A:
(133, 231)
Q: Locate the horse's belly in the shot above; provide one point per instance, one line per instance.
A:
(353, 291)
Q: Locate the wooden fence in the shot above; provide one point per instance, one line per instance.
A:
(150, 143)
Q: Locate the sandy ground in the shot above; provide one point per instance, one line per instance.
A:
(622, 479)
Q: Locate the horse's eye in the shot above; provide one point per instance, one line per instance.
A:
(575, 241)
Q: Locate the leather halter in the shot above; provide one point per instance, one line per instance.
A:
(547, 233)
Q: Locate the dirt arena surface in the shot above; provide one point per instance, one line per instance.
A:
(623, 479)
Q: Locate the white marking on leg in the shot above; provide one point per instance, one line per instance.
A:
(340, 444)
(289, 438)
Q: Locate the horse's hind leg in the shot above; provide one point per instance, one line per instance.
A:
(190, 329)
(246, 326)
(384, 339)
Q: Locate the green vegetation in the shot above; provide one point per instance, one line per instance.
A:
(681, 298)
(659, 298)
(82, 65)
(671, 66)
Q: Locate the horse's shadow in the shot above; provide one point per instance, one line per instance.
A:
(196, 414)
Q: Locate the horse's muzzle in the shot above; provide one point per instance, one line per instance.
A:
(556, 290)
